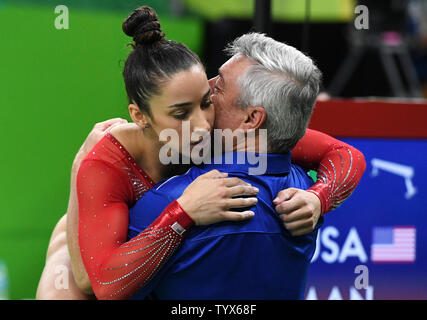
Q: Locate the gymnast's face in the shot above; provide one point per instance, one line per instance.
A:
(184, 107)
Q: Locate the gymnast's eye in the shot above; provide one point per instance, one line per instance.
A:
(206, 104)
(180, 115)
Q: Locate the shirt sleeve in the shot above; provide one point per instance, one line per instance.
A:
(118, 268)
(339, 167)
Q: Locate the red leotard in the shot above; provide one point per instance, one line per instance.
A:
(109, 181)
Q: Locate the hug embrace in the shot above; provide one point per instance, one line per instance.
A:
(137, 227)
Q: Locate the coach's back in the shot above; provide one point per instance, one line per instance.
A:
(252, 259)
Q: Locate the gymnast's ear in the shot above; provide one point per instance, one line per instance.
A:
(137, 116)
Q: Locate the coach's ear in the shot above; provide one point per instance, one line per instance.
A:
(254, 118)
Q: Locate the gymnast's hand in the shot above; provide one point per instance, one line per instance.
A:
(299, 210)
(210, 198)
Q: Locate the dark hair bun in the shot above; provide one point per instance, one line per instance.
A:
(143, 26)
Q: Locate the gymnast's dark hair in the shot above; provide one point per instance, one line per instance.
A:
(153, 59)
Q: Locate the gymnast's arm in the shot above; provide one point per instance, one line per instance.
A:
(77, 266)
(79, 272)
(339, 169)
(60, 251)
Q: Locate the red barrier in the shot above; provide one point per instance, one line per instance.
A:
(368, 118)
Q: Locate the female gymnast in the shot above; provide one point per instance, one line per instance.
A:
(166, 84)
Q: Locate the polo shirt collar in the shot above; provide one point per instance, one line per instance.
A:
(239, 161)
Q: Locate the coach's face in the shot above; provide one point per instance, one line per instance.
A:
(225, 92)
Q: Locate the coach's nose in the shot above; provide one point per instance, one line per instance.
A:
(212, 83)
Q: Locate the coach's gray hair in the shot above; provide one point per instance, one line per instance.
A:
(284, 82)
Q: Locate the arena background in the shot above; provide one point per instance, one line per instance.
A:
(56, 84)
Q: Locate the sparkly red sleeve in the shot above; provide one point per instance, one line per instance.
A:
(118, 269)
(339, 167)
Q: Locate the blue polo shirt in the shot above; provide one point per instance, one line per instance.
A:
(253, 259)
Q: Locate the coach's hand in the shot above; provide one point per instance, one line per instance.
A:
(210, 198)
(299, 210)
(97, 132)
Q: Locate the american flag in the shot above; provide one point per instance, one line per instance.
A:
(393, 244)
